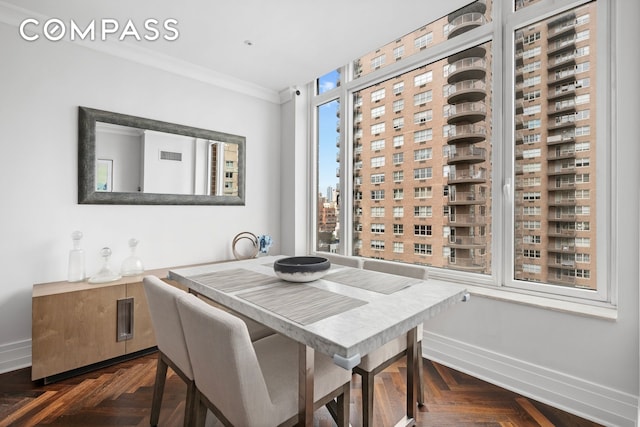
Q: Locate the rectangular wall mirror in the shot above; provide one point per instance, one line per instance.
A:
(125, 159)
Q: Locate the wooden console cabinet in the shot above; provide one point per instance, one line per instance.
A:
(77, 325)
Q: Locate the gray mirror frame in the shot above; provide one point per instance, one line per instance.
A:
(87, 118)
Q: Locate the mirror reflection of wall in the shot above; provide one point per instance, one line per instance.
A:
(163, 163)
(123, 146)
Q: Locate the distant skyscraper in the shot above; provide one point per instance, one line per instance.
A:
(330, 194)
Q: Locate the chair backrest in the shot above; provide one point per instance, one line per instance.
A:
(225, 366)
(349, 261)
(165, 319)
(407, 270)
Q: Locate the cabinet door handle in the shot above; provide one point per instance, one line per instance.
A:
(125, 319)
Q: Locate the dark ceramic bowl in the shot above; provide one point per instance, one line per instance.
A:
(301, 268)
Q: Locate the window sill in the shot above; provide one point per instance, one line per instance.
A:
(601, 312)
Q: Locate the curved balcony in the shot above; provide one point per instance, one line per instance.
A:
(560, 77)
(564, 217)
(471, 175)
(561, 45)
(479, 6)
(468, 154)
(561, 232)
(465, 111)
(562, 26)
(464, 263)
(562, 124)
(568, 91)
(466, 133)
(561, 186)
(563, 249)
(457, 198)
(562, 201)
(562, 107)
(467, 69)
(563, 61)
(562, 153)
(561, 139)
(467, 242)
(466, 90)
(466, 220)
(463, 23)
(474, 52)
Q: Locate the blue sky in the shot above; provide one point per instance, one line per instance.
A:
(327, 136)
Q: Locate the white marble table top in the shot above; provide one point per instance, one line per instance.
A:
(374, 319)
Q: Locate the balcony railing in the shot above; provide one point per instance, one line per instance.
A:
(466, 220)
(469, 111)
(467, 263)
(562, 248)
(464, 23)
(561, 154)
(467, 197)
(467, 88)
(472, 133)
(467, 68)
(564, 217)
(467, 154)
(560, 45)
(469, 175)
(468, 240)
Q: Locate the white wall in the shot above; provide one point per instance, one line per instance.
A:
(41, 86)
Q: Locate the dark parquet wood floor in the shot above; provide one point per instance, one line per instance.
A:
(120, 395)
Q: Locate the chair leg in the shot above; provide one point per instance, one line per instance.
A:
(420, 382)
(158, 390)
(367, 398)
(200, 413)
(190, 404)
(344, 404)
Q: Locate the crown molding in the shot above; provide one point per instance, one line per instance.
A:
(14, 15)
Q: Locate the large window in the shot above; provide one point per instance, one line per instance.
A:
(434, 121)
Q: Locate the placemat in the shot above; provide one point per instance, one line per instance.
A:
(233, 280)
(301, 303)
(383, 283)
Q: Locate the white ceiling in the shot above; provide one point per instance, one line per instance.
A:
(294, 41)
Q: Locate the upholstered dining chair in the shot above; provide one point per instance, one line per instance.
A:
(251, 384)
(349, 261)
(171, 343)
(379, 359)
(172, 347)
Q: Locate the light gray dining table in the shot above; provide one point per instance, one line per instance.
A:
(346, 314)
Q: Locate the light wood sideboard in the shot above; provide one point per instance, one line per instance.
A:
(80, 326)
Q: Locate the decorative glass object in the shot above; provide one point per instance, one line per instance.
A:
(264, 242)
(76, 259)
(132, 265)
(106, 274)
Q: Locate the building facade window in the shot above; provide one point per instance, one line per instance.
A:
(552, 134)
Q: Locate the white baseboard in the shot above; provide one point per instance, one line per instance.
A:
(15, 355)
(574, 395)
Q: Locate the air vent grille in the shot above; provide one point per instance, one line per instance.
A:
(169, 155)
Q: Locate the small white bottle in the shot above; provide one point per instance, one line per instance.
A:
(76, 259)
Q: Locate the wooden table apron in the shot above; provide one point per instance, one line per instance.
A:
(371, 317)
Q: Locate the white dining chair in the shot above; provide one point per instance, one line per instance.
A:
(379, 359)
(251, 384)
(172, 347)
(349, 261)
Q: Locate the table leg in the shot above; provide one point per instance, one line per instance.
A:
(305, 385)
(412, 380)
